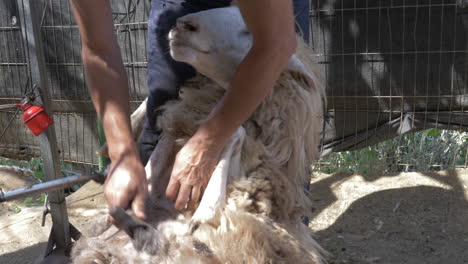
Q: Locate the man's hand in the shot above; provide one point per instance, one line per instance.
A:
(126, 185)
(192, 170)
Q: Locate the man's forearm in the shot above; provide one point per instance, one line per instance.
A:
(107, 81)
(274, 41)
(108, 84)
(105, 74)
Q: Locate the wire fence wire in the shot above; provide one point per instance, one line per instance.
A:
(75, 118)
(391, 68)
(14, 81)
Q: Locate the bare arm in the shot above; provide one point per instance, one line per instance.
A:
(274, 41)
(107, 81)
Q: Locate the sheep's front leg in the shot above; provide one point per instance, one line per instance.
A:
(159, 167)
(214, 197)
(137, 119)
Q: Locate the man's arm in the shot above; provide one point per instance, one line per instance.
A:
(107, 81)
(271, 23)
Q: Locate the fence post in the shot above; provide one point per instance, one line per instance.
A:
(31, 29)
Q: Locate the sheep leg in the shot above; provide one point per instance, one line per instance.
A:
(214, 197)
(159, 167)
(137, 119)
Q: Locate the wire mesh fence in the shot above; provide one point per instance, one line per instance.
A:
(77, 122)
(75, 119)
(14, 82)
(391, 68)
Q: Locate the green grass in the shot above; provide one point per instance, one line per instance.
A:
(429, 150)
(14, 208)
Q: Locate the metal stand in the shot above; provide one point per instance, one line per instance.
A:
(31, 29)
(52, 186)
(51, 243)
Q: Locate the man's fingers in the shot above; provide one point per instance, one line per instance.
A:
(172, 189)
(183, 197)
(194, 197)
(138, 205)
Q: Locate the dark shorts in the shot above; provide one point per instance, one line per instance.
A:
(166, 75)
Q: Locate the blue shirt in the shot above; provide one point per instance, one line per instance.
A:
(210, 3)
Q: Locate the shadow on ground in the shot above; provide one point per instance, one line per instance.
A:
(28, 255)
(406, 218)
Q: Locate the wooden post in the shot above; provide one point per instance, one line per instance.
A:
(30, 11)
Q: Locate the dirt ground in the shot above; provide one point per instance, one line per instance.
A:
(402, 218)
(22, 238)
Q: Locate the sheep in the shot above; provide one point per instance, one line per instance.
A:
(250, 211)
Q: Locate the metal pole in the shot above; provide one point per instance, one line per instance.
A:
(31, 28)
(48, 186)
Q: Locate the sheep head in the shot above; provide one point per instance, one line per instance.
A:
(215, 41)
